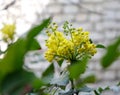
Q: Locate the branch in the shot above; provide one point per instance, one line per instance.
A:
(9, 5)
(86, 9)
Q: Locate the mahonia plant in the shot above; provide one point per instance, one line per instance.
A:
(72, 44)
(75, 46)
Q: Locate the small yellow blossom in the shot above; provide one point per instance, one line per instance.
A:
(8, 32)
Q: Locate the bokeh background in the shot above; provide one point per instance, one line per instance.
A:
(100, 17)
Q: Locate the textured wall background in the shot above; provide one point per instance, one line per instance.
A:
(100, 17)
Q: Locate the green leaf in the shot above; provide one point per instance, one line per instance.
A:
(118, 84)
(37, 83)
(96, 93)
(37, 29)
(113, 52)
(82, 81)
(47, 75)
(14, 84)
(60, 62)
(77, 68)
(49, 70)
(100, 90)
(100, 46)
(85, 89)
(89, 79)
(32, 33)
(13, 58)
(35, 45)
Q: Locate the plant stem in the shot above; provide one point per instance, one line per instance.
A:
(72, 84)
(55, 90)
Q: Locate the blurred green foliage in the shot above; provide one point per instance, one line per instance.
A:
(13, 79)
(112, 54)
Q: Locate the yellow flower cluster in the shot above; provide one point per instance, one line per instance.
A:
(8, 32)
(70, 48)
(82, 42)
(58, 46)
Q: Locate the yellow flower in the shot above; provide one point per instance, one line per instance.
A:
(68, 48)
(57, 45)
(8, 32)
(49, 55)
